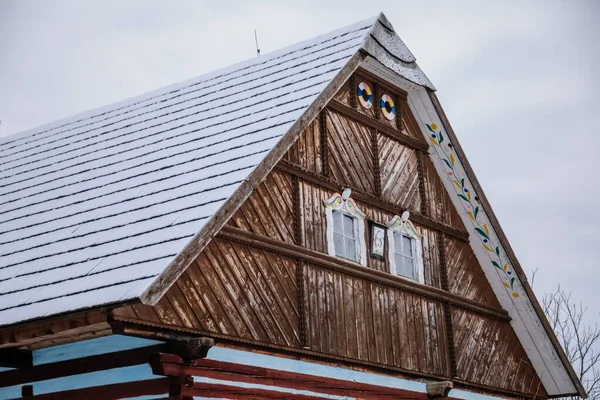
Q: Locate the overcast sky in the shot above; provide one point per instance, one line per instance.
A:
(518, 80)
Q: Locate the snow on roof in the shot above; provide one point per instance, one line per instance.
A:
(93, 208)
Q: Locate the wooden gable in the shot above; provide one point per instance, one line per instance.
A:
(266, 279)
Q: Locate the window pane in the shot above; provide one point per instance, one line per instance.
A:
(406, 246)
(399, 261)
(409, 268)
(350, 249)
(337, 221)
(397, 243)
(348, 226)
(338, 244)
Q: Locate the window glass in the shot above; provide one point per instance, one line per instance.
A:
(403, 255)
(344, 237)
(348, 226)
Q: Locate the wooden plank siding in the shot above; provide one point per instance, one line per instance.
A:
(441, 207)
(399, 178)
(354, 318)
(465, 276)
(350, 152)
(268, 210)
(489, 353)
(234, 290)
(271, 295)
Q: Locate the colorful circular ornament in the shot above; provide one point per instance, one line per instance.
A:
(365, 95)
(387, 107)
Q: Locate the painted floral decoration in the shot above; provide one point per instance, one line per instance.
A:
(445, 151)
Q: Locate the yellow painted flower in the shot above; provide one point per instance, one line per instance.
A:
(434, 127)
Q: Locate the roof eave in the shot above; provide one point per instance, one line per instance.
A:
(194, 247)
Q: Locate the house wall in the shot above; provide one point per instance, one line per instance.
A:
(267, 278)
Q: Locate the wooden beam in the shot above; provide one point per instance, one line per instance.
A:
(380, 127)
(296, 170)
(78, 366)
(111, 392)
(215, 391)
(153, 330)
(171, 365)
(15, 358)
(59, 330)
(349, 268)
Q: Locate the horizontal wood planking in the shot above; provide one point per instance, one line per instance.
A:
(329, 186)
(156, 330)
(268, 211)
(170, 365)
(306, 150)
(441, 207)
(350, 268)
(465, 276)
(356, 318)
(489, 353)
(235, 290)
(115, 391)
(78, 366)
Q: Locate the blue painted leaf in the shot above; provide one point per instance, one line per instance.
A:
(482, 233)
(497, 251)
(446, 161)
(463, 197)
(496, 265)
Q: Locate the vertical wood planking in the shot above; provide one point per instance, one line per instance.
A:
(367, 321)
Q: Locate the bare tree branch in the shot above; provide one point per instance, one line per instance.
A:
(580, 342)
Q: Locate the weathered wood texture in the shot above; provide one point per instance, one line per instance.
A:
(350, 157)
(268, 211)
(399, 177)
(465, 276)
(306, 150)
(234, 290)
(245, 283)
(489, 353)
(441, 207)
(354, 318)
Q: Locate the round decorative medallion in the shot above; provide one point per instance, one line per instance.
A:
(387, 107)
(365, 95)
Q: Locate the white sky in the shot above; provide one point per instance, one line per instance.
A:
(518, 81)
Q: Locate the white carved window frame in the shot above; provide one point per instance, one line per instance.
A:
(406, 228)
(348, 207)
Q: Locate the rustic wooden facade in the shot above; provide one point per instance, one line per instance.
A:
(266, 277)
(265, 282)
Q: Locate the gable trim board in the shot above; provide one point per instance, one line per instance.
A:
(380, 52)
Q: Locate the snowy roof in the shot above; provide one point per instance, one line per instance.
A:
(95, 207)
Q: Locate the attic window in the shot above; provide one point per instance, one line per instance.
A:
(345, 228)
(405, 249)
